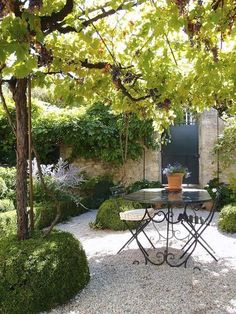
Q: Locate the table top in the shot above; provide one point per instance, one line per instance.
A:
(153, 196)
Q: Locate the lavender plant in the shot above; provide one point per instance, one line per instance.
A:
(176, 168)
(56, 195)
(62, 174)
(60, 180)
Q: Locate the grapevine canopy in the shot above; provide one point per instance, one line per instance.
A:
(150, 57)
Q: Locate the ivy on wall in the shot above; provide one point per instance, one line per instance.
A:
(226, 145)
(96, 133)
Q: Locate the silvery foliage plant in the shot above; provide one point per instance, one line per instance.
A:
(66, 174)
(63, 174)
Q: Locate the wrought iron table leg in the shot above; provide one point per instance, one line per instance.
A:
(167, 232)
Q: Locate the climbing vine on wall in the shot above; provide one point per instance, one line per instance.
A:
(97, 133)
(226, 145)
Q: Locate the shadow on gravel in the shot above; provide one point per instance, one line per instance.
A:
(170, 290)
(118, 286)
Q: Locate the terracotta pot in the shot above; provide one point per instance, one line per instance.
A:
(175, 181)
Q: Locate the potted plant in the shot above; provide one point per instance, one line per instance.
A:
(175, 174)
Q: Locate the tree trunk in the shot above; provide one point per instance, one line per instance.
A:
(19, 96)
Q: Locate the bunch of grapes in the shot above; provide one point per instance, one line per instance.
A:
(215, 51)
(165, 104)
(45, 56)
(115, 72)
(192, 29)
(154, 93)
(35, 4)
(181, 5)
(129, 77)
(215, 4)
(207, 44)
(5, 7)
(232, 20)
(107, 68)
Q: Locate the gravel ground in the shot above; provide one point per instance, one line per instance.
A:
(119, 286)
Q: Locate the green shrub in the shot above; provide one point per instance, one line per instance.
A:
(46, 212)
(8, 139)
(3, 187)
(94, 191)
(6, 205)
(227, 195)
(7, 223)
(45, 207)
(143, 184)
(232, 182)
(44, 215)
(108, 214)
(227, 219)
(40, 273)
(40, 195)
(8, 183)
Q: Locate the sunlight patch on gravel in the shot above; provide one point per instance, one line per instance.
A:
(119, 286)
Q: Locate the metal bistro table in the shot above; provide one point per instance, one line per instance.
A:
(188, 202)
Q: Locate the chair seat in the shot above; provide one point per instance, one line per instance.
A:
(137, 214)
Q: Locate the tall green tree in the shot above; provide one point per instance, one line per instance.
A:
(150, 57)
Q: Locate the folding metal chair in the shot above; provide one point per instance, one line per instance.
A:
(196, 225)
(141, 215)
(144, 217)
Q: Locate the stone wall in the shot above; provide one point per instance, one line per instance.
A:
(149, 166)
(210, 127)
(207, 138)
(144, 168)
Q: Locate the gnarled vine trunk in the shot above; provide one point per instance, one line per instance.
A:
(19, 95)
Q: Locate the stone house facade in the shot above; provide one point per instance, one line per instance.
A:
(150, 165)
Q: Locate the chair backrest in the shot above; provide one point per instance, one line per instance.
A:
(217, 198)
(117, 191)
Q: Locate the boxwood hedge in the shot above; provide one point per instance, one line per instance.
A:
(227, 219)
(46, 212)
(108, 214)
(40, 273)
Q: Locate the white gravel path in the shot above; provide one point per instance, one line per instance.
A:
(119, 286)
